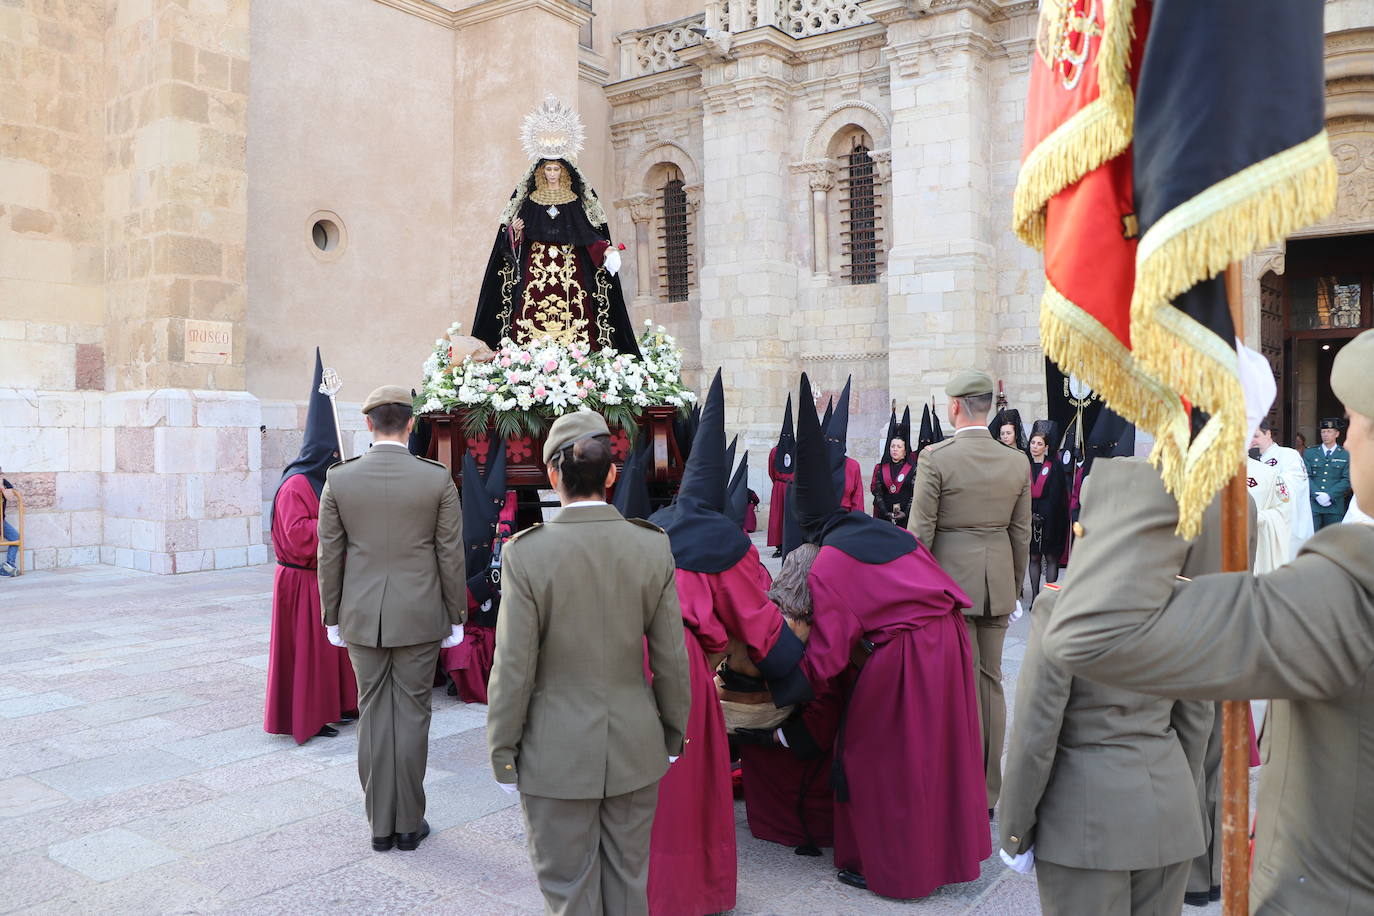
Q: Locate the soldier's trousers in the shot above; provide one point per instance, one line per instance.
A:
(1204, 873)
(1322, 517)
(394, 687)
(986, 634)
(591, 855)
(1068, 891)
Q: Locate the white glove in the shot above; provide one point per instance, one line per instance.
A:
(1017, 614)
(509, 788)
(332, 634)
(672, 759)
(611, 261)
(1323, 500)
(454, 638)
(1023, 864)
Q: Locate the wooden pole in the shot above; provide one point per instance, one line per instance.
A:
(1235, 722)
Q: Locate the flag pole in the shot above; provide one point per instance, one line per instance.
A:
(1235, 721)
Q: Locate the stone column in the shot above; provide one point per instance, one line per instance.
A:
(941, 261)
(820, 176)
(641, 207)
(748, 282)
(180, 450)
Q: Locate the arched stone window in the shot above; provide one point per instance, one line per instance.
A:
(674, 238)
(860, 210)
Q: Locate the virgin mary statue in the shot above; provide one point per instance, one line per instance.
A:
(552, 271)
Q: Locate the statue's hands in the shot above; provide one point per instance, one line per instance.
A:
(518, 227)
(612, 262)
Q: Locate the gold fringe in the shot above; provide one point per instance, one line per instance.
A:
(1078, 343)
(1192, 243)
(1099, 131)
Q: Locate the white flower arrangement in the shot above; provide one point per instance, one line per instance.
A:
(524, 388)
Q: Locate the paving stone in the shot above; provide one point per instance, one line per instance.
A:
(35, 703)
(110, 854)
(223, 747)
(106, 775)
(32, 879)
(22, 795)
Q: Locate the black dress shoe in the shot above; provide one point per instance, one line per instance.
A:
(777, 553)
(992, 812)
(408, 841)
(349, 716)
(853, 879)
(1214, 893)
(383, 843)
(1196, 898)
(327, 731)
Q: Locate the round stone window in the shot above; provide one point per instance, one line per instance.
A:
(327, 235)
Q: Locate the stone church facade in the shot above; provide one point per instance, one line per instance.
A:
(195, 193)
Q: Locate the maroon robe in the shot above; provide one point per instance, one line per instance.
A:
(853, 497)
(780, 789)
(910, 743)
(692, 865)
(469, 663)
(777, 505)
(309, 681)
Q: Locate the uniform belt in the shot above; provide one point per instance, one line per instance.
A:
(294, 566)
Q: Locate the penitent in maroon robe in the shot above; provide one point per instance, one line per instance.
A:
(692, 866)
(852, 499)
(910, 742)
(777, 506)
(787, 797)
(469, 662)
(309, 682)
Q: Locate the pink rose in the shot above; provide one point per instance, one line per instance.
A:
(551, 365)
(490, 387)
(525, 359)
(540, 391)
(505, 362)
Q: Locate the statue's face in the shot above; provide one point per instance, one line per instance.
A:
(897, 449)
(553, 174)
(1007, 434)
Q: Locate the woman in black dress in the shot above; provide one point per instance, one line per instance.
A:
(1049, 508)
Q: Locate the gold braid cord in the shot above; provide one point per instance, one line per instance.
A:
(1193, 242)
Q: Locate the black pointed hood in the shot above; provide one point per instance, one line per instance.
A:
(632, 487)
(818, 513)
(935, 424)
(685, 430)
(785, 458)
(737, 496)
(837, 437)
(420, 434)
(729, 463)
(320, 446)
(829, 412)
(927, 435)
(1111, 436)
(904, 428)
(889, 435)
(702, 538)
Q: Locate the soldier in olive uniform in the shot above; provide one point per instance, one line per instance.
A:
(1302, 635)
(572, 720)
(972, 510)
(392, 590)
(1328, 468)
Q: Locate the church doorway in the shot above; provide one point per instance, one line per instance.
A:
(1324, 299)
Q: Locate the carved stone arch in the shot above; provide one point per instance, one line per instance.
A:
(863, 115)
(665, 152)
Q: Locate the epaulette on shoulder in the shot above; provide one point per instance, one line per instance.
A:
(645, 523)
(339, 464)
(439, 464)
(519, 534)
(934, 447)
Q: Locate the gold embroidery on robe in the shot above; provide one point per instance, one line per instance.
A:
(553, 302)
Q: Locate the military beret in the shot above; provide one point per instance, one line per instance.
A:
(573, 427)
(387, 394)
(1352, 379)
(969, 383)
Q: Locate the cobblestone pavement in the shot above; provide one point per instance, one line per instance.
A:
(135, 777)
